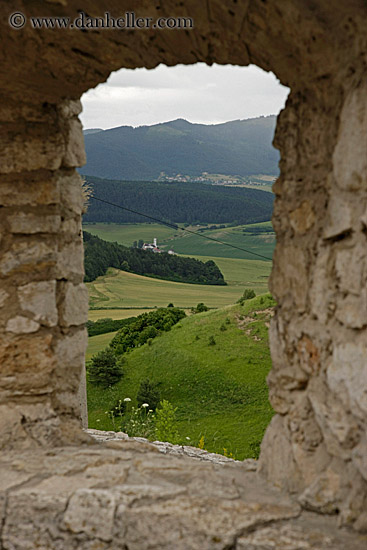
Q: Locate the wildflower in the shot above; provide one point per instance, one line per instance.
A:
(145, 405)
(127, 399)
(98, 420)
(188, 439)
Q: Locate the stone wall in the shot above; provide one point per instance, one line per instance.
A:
(318, 384)
(316, 445)
(42, 296)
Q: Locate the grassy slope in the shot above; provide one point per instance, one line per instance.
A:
(97, 343)
(219, 390)
(118, 289)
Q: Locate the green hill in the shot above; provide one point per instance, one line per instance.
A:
(238, 147)
(99, 255)
(176, 202)
(219, 390)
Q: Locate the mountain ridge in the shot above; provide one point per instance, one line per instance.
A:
(239, 147)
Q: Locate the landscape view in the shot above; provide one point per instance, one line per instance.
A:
(178, 247)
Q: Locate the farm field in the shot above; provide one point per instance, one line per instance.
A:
(219, 389)
(188, 244)
(95, 314)
(127, 233)
(97, 343)
(119, 289)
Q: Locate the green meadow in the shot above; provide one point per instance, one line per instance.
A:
(119, 289)
(219, 389)
(189, 244)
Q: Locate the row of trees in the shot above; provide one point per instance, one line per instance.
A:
(99, 255)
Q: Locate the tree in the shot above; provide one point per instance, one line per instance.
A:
(199, 308)
(104, 369)
(247, 295)
(140, 243)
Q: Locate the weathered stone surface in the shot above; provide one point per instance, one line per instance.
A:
(339, 217)
(89, 497)
(302, 218)
(22, 325)
(25, 257)
(3, 297)
(352, 142)
(32, 223)
(347, 376)
(319, 271)
(74, 307)
(39, 298)
(168, 448)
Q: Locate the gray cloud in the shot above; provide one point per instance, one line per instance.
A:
(198, 93)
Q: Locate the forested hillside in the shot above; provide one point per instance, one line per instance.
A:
(177, 202)
(99, 255)
(239, 147)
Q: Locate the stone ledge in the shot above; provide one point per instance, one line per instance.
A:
(169, 449)
(126, 494)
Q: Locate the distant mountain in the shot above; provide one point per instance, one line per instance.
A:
(92, 131)
(240, 147)
(177, 202)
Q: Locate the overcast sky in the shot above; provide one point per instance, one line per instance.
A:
(197, 93)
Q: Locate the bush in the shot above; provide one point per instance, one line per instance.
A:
(166, 425)
(223, 327)
(199, 308)
(104, 369)
(148, 393)
(247, 295)
(212, 342)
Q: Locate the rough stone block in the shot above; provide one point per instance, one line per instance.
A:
(22, 325)
(91, 511)
(347, 376)
(27, 363)
(71, 191)
(32, 223)
(351, 310)
(39, 298)
(31, 192)
(74, 306)
(339, 217)
(70, 350)
(349, 158)
(70, 260)
(75, 152)
(31, 151)
(27, 256)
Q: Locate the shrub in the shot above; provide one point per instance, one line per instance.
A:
(104, 369)
(199, 308)
(248, 294)
(223, 327)
(166, 425)
(212, 342)
(149, 393)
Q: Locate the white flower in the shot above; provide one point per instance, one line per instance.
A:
(145, 405)
(127, 399)
(188, 439)
(98, 420)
